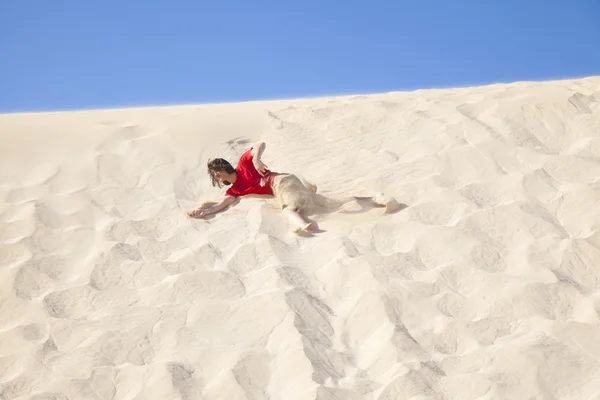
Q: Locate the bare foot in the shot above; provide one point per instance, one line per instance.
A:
(390, 204)
(200, 212)
(310, 227)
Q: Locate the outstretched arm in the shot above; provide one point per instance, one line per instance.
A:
(258, 149)
(212, 208)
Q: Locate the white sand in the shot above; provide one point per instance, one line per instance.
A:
(485, 287)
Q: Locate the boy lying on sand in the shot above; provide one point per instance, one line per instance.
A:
(295, 196)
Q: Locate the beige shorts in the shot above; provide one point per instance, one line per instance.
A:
(290, 192)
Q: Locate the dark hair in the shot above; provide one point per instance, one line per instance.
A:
(219, 164)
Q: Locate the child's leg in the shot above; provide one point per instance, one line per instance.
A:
(297, 219)
(310, 186)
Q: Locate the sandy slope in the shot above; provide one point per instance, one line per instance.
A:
(485, 287)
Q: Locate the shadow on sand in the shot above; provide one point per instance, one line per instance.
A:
(325, 205)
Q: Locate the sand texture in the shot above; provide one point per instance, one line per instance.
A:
(486, 286)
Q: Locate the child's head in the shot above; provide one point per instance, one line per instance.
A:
(216, 168)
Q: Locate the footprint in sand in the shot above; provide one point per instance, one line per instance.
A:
(578, 266)
(482, 195)
(565, 369)
(469, 363)
(455, 276)
(522, 137)
(447, 341)
(488, 257)
(384, 236)
(85, 301)
(202, 259)
(455, 306)
(407, 347)
(110, 274)
(245, 260)
(57, 267)
(327, 364)
(123, 251)
(148, 274)
(154, 250)
(582, 103)
(35, 332)
(45, 242)
(30, 283)
(438, 213)
(542, 221)
(443, 246)
(63, 304)
(184, 380)
(161, 227)
(488, 330)
(312, 317)
(117, 268)
(121, 231)
(20, 386)
(100, 385)
(294, 277)
(510, 226)
(209, 284)
(550, 300)
(402, 266)
(578, 212)
(361, 324)
(252, 372)
(415, 384)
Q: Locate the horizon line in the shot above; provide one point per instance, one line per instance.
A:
(315, 96)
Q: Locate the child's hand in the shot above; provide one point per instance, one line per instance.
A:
(198, 213)
(259, 165)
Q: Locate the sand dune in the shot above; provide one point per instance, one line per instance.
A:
(486, 286)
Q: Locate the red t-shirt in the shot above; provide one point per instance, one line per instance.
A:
(248, 180)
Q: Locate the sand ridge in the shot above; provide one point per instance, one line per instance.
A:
(484, 287)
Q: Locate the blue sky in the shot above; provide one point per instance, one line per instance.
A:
(66, 55)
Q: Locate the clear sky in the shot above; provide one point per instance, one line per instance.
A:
(82, 54)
